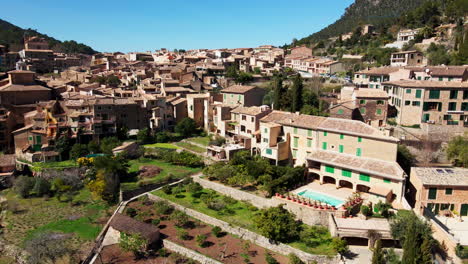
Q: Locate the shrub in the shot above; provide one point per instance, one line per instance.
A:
(314, 236)
(41, 187)
(201, 240)
(163, 207)
(193, 187)
(270, 259)
(182, 234)
(23, 186)
(245, 257)
(277, 223)
(293, 259)
(156, 222)
(163, 252)
(216, 231)
(167, 189)
(365, 210)
(131, 212)
(180, 218)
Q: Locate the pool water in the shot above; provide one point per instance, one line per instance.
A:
(321, 197)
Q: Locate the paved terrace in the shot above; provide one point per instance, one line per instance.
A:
(329, 189)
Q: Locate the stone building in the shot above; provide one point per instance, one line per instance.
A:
(243, 95)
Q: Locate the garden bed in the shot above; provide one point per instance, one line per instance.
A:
(113, 254)
(82, 217)
(235, 249)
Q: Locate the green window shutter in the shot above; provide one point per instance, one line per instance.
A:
(387, 180)
(309, 142)
(379, 111)
(407, 102)
(419, 78)
(340, 111)
(359, 139)
(330, 169)
(266, 130)
(269, 151)
(408, 91)
(432, 194)
(434, 94)
(341, 147)
(425, 106)
(325, 133)
(358, 152)
(439, 107)
(294, 153)
(30, 138)
(425, 117)
(295, 130)
(448, 191)
(452, 106)
(346, 173)
(324, 145)
(341, 136)
(224, 96)
(453, 94)
(441, 79)
(38, 139)
(296, 142)
(364, 177)
(362, 101)
(418, 93)
(464, 107)
(309, 133)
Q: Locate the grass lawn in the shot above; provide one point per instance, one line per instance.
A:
(55, 164)
(161, 145)
(191, 147)
(37, 214)
(177, 171)
(242, 214)
(200, 140)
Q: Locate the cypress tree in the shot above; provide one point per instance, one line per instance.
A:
(426, 252)
(297, 88)
(278, 92)
(378, 255)
(411, 250)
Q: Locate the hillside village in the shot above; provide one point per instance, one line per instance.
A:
(314, 152)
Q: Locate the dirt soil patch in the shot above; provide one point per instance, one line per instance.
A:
(234, 249)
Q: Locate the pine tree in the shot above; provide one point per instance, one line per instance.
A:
(378, 255)
(278, 92)
(411, 251)
(426, 252)
(297, 88)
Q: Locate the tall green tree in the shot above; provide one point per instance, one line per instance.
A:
(378, 254)
(411, 251)
(457, 151)
(277, 223)
(278, 92)
(426, 252)
(186, 128)
(297, 88)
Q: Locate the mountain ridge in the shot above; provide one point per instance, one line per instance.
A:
(12, 36)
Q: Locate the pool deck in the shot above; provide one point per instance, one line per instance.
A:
(328, 189)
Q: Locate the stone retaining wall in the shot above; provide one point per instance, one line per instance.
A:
(189, 253)
(307, 215)
(245, 234)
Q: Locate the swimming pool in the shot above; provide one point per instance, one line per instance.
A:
(321, 197)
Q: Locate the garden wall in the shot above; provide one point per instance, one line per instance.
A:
(52, 173)
(307, 215)
(189, 253)
(262, 241)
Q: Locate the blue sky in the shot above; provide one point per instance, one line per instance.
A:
(152, 24)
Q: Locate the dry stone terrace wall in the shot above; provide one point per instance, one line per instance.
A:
(189, 253)
(307, 215)
(245, 234)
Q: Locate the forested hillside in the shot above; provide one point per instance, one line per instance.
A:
(383, 14)
(11, 36)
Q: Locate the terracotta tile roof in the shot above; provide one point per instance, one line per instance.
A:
(129, 225)
(366, 165)
(238, 89)
(441, 176)
(253, 110)
(23, 88)
(7, 160)
(379, 71)
(448, 71)
(371, 93)
(427, 84)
